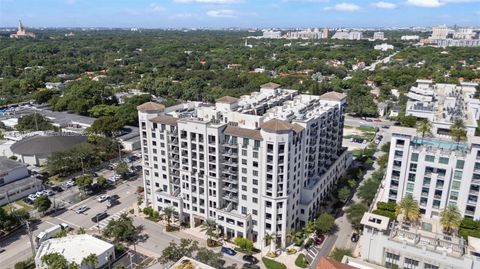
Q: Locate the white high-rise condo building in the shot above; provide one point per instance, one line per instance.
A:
(378, 36)
(260, 164)
(442, 104)
(435, 171)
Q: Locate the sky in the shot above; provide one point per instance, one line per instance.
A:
(238, 13)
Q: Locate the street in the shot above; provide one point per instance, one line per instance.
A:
(18, 246)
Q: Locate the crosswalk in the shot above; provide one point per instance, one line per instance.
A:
(102, 224)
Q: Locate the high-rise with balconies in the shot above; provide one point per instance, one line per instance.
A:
(259, 164)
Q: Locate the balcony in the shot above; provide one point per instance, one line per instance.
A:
(469, 212)
(473, 192)
(231, 197)
(472, 202)
(230, 145)
(230, 188)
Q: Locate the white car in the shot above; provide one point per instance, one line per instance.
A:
(103, 197)
(70, 184)
(39, 193)
(32, 197)
(81, 209)
(48, 192)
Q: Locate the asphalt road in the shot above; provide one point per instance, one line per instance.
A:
(18, 246)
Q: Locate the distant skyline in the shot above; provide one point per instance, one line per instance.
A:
(238, 13)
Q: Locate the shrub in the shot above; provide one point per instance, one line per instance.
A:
(271, 264)
(301, 261)
(245, 244)
(291, 251)
(271, 254)
(309, 243)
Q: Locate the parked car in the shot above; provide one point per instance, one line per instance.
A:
(355, 237)
(48, 192)
(385, 127)
(81, 209)
(99, 217)
(319, 239)
(114, 197)
(32, 197)
(250, 259)
(103, 197)
(57, 188)
(70, 183)
(228, 251)
(111, 203)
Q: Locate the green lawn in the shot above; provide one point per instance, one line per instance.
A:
(271, 264)
(301, 261)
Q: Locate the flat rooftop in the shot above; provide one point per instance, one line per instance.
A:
(7, 165)
(74, 247)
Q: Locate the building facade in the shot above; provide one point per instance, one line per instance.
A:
(436, 172)
(258, 165)
(379, 36)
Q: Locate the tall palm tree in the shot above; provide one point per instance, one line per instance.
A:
(309, 228)
(408, 207)
(450, 218)
(90, 261)
(270, 239)
(210, 228)
(169, 212)
(458, 131)
(425, 128)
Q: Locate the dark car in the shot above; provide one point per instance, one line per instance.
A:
(99, 217)
(228, 251)
(57, 188)
(114, 197)
(319, 239)
(111, 203)
(355, 237)
(249, 258)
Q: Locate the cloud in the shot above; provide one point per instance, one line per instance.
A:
(384, 5)
(437, 3)
(184, 16)
(305, 1)
(222, 13)
(219, 2)
(152, 8)
(344, 7)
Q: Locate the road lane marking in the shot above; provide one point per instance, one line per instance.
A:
(68, 222)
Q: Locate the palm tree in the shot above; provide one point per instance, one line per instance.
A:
(210, 228)
(90, 261)
(458, 131)
(408, 207)
(168, 212)
(450, 218)
(424, 127)
(309, 228)
(270, 239)
(296, 237)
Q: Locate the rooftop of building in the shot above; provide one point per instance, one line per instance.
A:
(150, 107)
(20, 184)
(7, 165)
(184, 262)
(46, 145)
(447, 102)
(74, 247)
(327, 263)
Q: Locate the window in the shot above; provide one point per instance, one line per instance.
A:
(411, 177)
(414, 157)
(430, 266)
(443, 160)
(455, 185)
(256, 143)
(457, 174)
(245, 141)
(244, 152)
(410, 187)
(460, 164)
(410, 263)
(454, 195)
(413, 167)
(254, 212)
(430, 158)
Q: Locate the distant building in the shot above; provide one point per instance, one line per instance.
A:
(15, 181)
(306, 34)
(378, 36)
(271, 34)
(58, 86)
(410, 37)
(21, 32)
(348, 35)
(439, 32)
(74, 248)
(442, 36)
(383, 47)
(325, 32)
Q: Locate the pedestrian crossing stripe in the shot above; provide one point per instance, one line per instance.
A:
(103, 223)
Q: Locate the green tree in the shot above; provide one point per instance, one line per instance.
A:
(169, 212)
(81, 230)
(84, 183)
(343, 194)
(450, 218)
(43, 96)
(424, 127)
(355, 213)
(338, 253)
(26, 264)
(174, 252)
(210, 228)
(122, 169)
(408, 207)
(54, 261)
(296, 236)
(209, 257)
(106, 125)
(42, 204)
(34, 122)
(122, 229)
(324, 223)
(458, 131)
(101, 182)
(244, 243)
(91, 261)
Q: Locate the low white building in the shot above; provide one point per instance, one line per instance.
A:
(410, 37)
(75, 248)
(383, 47)
(15, 181)
(378, 36)
(271, 34)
